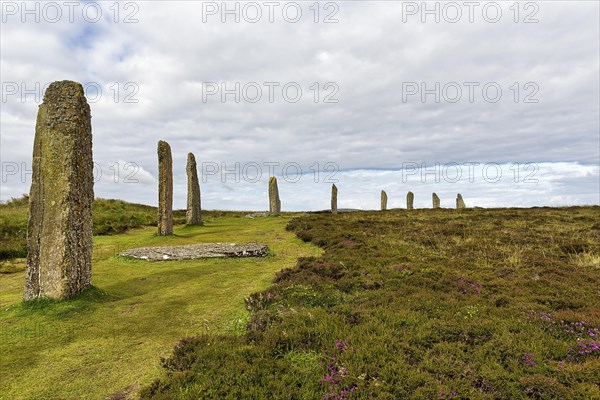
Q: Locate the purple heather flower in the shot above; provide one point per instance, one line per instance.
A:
(529, 359)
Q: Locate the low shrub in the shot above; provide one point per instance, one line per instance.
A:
(423, 304)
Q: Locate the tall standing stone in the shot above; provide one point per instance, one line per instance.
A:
(436, 200)
(383, 200)
(410, 199)
(59, 234)
(274, 201)
(334, 192)
(165, 189)
(460, 203)
(193, 214)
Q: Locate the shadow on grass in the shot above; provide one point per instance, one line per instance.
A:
(84, 301)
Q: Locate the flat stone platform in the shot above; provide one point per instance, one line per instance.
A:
(194, 251)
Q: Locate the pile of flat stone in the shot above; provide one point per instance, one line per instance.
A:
(195, 251)
(257, 215)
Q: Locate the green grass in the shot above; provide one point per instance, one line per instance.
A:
(409, 304)
(109, 217)
(108, 340)
(13, 228)
(404, 304)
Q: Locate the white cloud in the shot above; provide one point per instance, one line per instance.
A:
(369, 54)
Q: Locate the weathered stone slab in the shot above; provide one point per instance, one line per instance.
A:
(410, 199)
(460, 203)
(193, 214)
(194, 251)
(384, 200)
(274, 201)
(334, 194)
(59, 235)
(165, 189)
(257, 215)
(436, 200)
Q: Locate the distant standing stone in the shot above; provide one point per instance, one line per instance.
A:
(193, 214)
(165, 189)
(410, 199)
(334, 192)
(436, 200)
(383, 200)
(59, 234)
(460, 203)
(274, 201)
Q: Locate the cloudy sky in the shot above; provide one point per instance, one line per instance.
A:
(495, 101)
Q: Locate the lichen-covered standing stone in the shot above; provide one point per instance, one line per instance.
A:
(193, 214)
(59, 234)
(410, 199)
(165, 189)
(383, 200)
(334, 192)
(274, 201)
(436, 200)
(460, 203)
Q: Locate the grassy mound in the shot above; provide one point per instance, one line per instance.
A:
(110, 217)
(447, 304)
(13, 228)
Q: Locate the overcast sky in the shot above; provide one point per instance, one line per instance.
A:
(362, 91)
